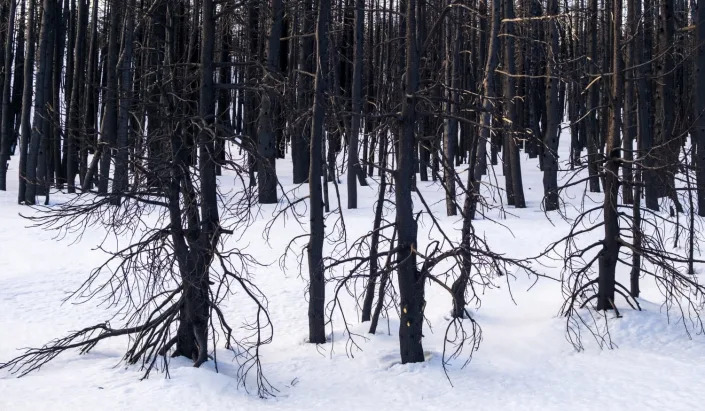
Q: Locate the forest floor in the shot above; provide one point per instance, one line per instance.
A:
(524, 361)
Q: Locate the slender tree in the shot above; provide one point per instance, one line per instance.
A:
(699, 114)
(411, 281)
(6, 124)
(316, 304)
(269, 105)
(354, 169)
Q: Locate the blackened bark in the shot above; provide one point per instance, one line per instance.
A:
(251, 96)
(699, 114)
(629, 107)
(26, 128)
(411, 280)
(374, 243)
(56, 172)
(593, 128)
(121, 172)
(6, 125)
(646, 108)
(35, 174)
(611, 242)
(300, 146)
(354, 169)
(78, 156)
(225, 99)
(316, 301)
(196, 309)
(554, 114)
(269, 105)
(664, 108)
(450, 137)
(109, 125)
(72, 138)
(510, 107)
(70, 22)
(18, 82)
(488, 86)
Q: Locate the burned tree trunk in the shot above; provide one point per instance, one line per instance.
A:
(316, 320)
(510, 107)
(611, 242)
(121, 171)
(300, 145)
(72, 138)
(269, 106)
(665, 149)
(192, 336)
(629, 107)
(354, 169)
(411, 280)
(36, 168)
(26, 128)
(6, 125)
(699, 115)
(489, 88)
(593, 127)
(453, 44)
(554, 114)
(109, 125)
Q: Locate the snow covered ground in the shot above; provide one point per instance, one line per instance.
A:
(524, 361)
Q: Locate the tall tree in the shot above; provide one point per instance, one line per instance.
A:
(699, 115)
(410, 279)
(269, 106)
(453, 40)
(35, 172)
(316, 299)
(125, 103)
(611, 242)
(109, 124)
(354, 169)
(554, 114)
(489, 89)
(26, 128)
(72, 138)
(7, 119)
(511, 145)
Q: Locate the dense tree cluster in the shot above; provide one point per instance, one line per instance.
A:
(138, 106)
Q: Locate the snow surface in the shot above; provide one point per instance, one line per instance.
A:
(524, 361)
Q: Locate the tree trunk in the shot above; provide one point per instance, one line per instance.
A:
(6, 125)
(26, 128)
(109, 125)
(37, 145)
(509, 90)
(374, 243)
(316, 304)
(411, 281)
(611, 242)
(300, 144)
(664, 105)
(72, 138)
(452, 80)
(121, 171)
(196, 309)
(354, 169)
(488, 85)
(269, 105)
(593, 128)
(699, 115)
(553, 115)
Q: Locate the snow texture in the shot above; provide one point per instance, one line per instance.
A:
(524, 361)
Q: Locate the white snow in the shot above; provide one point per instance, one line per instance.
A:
(524, 361)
